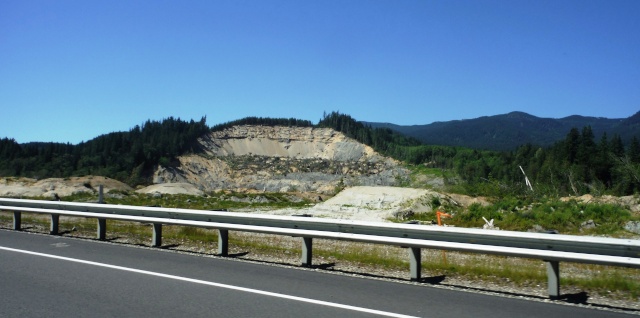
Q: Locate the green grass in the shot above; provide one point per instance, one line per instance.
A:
(190, 233)
(6, 217)
(213, 201)
(429, 171)
(607, 281)
(516, 214)
(264, 244)
(361, 254)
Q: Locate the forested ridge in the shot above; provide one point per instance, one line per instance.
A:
(508, 131)
(125, 156)
(580, 163)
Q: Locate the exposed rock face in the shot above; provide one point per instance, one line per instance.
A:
(287, 142)
(281, 159)
(633, 226)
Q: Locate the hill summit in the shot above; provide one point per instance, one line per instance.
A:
(509, 131)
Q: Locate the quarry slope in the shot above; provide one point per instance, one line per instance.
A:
(281, 159)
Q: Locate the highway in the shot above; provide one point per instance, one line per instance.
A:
(45, 276)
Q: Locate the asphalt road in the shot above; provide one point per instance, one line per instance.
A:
(47, 276)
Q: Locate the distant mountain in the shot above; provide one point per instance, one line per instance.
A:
(508, 131)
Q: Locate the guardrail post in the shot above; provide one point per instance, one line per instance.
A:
(307, 251)
(223, 242)
(102, 229)
(156, 240)
(17, 221)
(415, 263)
(100, 194)
(102, 223)
(55, 222)
(553, 279)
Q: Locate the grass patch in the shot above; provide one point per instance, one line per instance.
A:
(609, 280)
(218, 201)
(190, 233)
(516, 214)
(6, 217)
(485, 267)
(361, 254)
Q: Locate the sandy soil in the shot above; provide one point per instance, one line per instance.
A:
(25, 187)
(376, 204)
(172, 188)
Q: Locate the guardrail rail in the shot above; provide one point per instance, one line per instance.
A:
(551, 248)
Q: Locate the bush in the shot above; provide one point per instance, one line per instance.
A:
(517, 214)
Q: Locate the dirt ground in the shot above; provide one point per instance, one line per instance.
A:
(25, 187)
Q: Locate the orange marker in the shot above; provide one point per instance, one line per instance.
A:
(442, 214)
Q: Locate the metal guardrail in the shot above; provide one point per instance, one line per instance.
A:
(552, 248)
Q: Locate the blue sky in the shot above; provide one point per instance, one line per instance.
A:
(73, 70)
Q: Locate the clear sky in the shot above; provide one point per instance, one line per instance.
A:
(73, 70)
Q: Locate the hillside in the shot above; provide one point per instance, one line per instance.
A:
(280, 159)
(508, 131)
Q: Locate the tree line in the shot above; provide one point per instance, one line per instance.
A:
(578, 164)
(125, 156)
(262, 121)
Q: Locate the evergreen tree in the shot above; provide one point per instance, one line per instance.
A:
(617, 148)
(572, 144)
(603, 163)
(586, 147)
(634, 150)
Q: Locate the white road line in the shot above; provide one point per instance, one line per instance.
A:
(204, 282)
